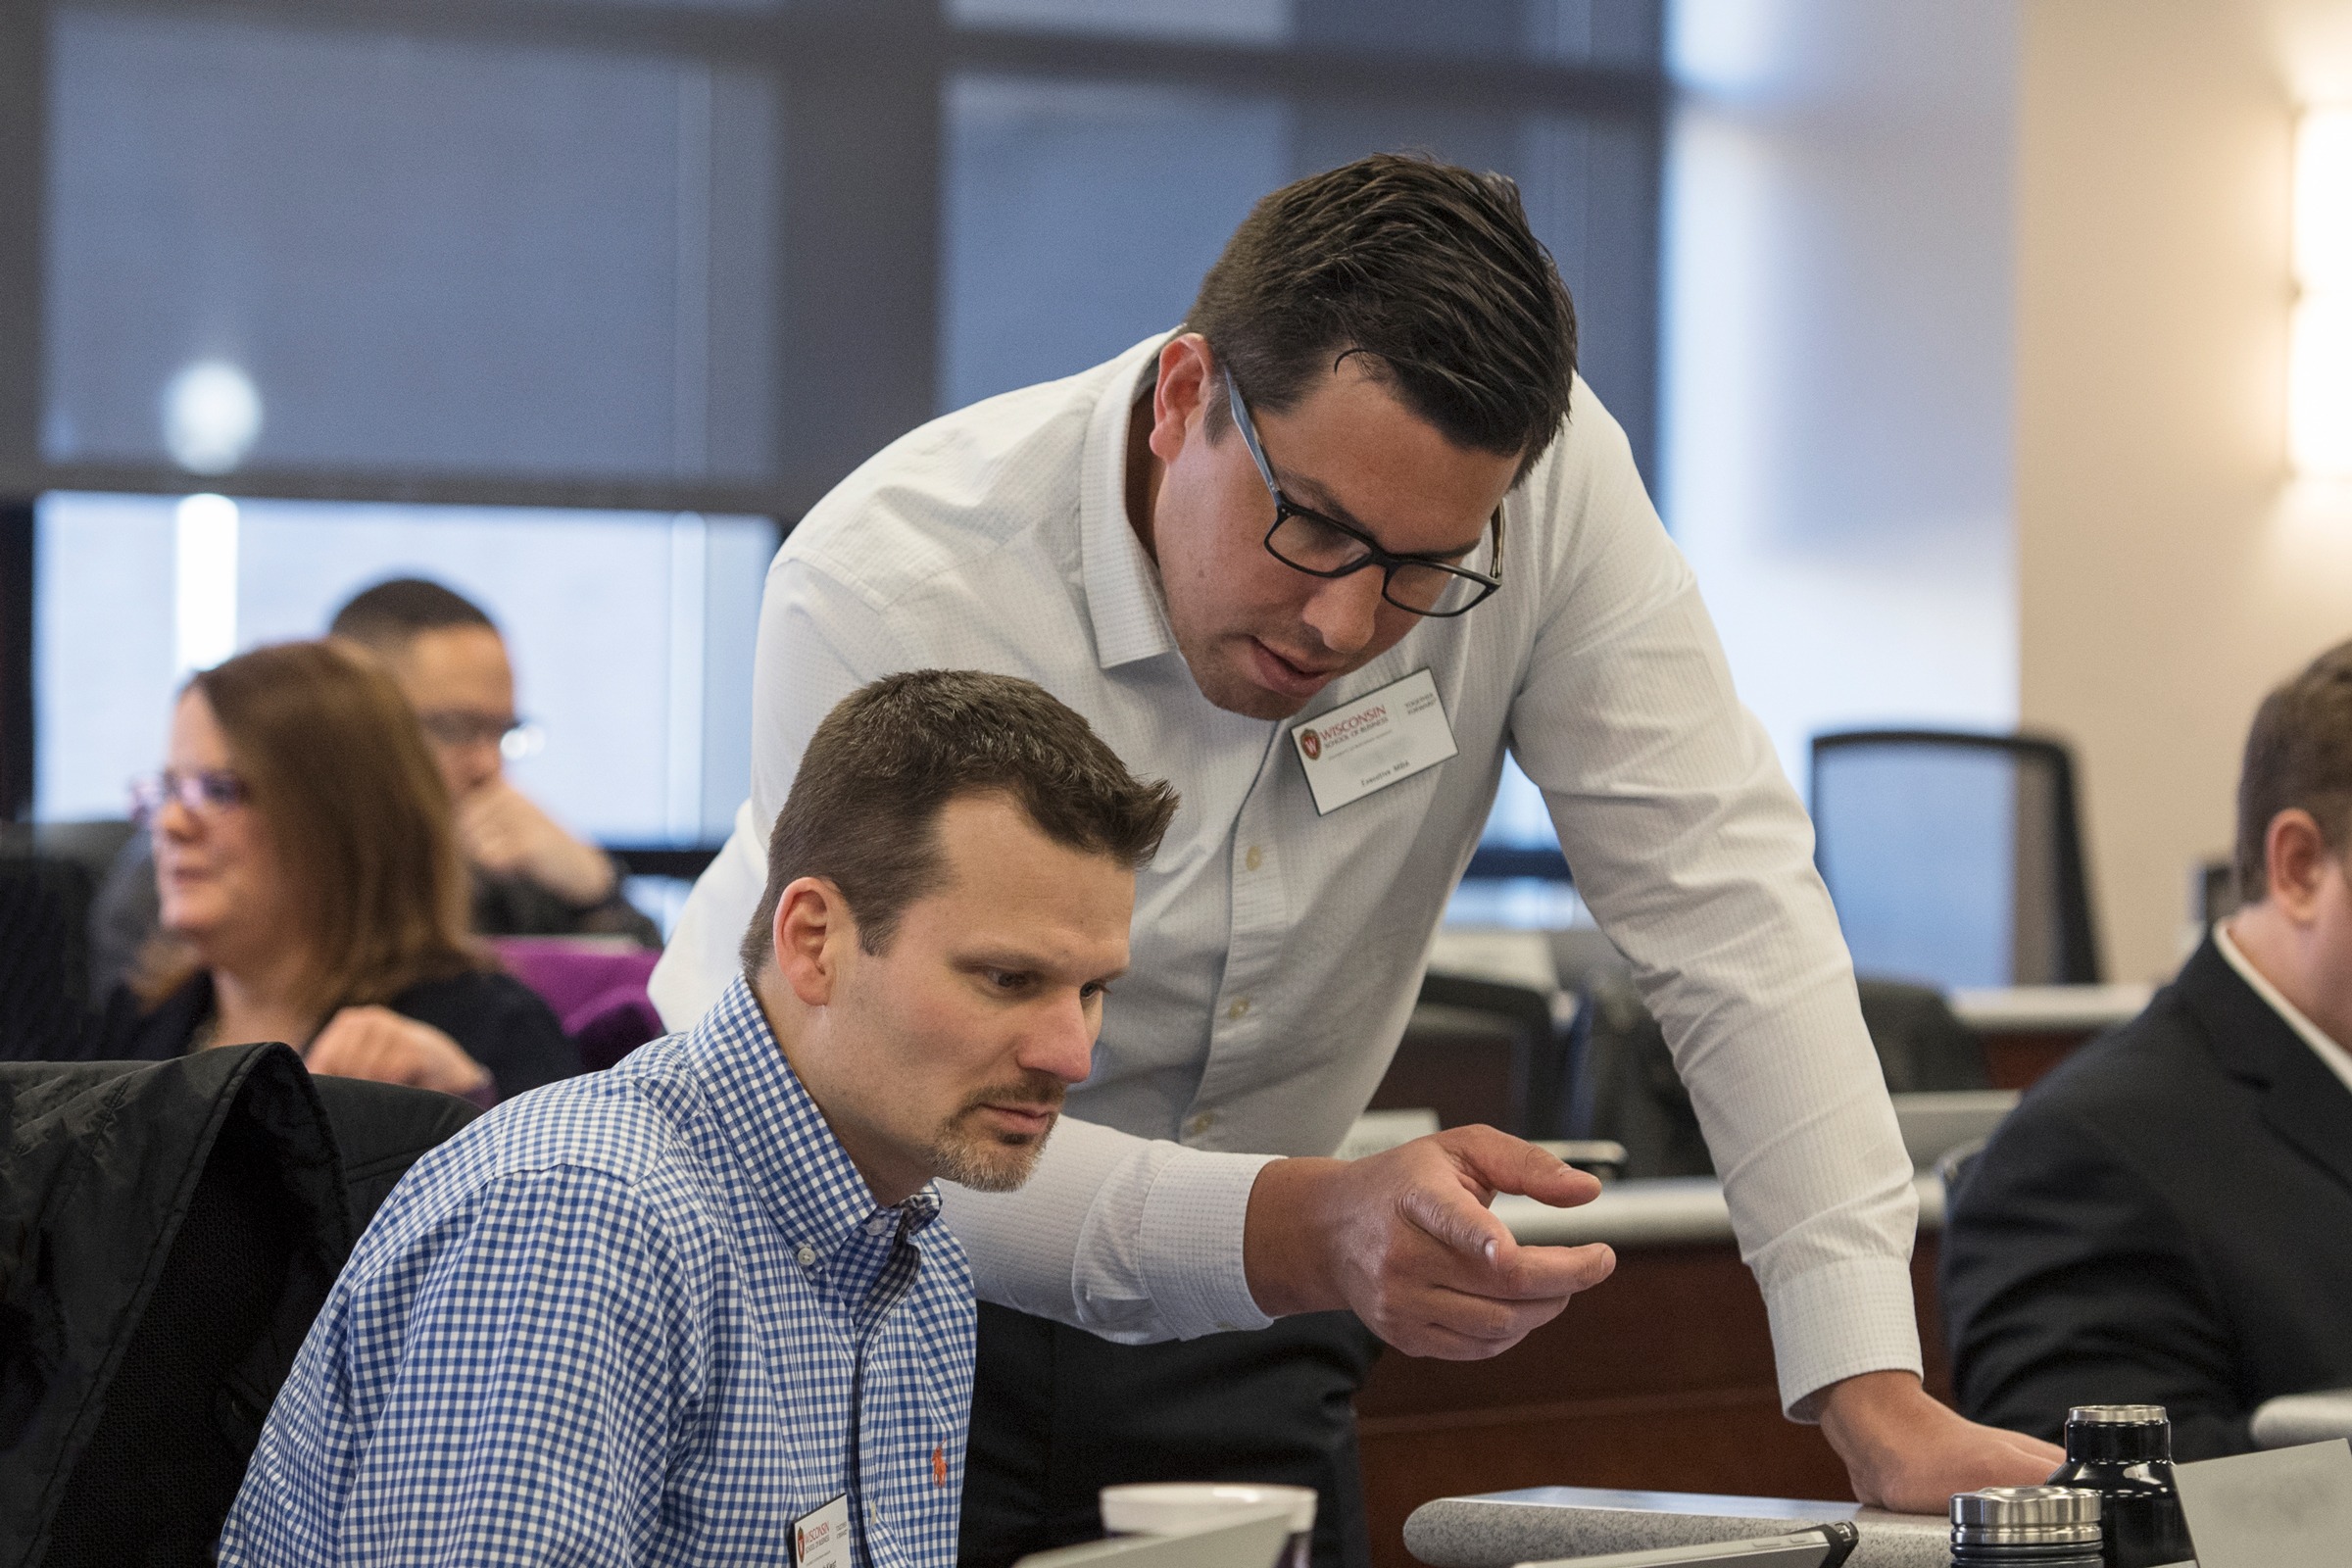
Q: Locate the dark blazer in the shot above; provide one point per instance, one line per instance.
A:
(2164, 1219)
(498, 1020)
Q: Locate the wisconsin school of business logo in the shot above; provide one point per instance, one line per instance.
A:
(1310, 743)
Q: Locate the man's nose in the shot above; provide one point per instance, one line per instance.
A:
(1345, 611)
(1063, 1044)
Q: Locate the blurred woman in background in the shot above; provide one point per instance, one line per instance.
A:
(311, 890)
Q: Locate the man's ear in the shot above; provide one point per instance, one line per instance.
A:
(813, 934)
(2295, 860)
(1180, 400)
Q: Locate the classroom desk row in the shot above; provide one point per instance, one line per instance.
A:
(1659, 1378)
(1663, 1379)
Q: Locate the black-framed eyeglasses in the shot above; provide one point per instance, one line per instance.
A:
(203, 792)
(1306, 540)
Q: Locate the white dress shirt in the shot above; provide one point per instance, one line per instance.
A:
(1277, 952)
(2329, 1051)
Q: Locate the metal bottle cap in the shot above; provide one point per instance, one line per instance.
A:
(2017, 1516)
(2116, 1434)
(2114, 1415)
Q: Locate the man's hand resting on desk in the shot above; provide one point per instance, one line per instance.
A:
(1905, 1451)
(1406, 1240)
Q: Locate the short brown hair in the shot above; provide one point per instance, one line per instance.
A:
(388, 616)
(863, 812)
(334, 763)
(2298, 754)
(1427, 270)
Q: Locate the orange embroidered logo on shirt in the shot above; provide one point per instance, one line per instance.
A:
(939, 1466)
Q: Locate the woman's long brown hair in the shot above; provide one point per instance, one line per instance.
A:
(338, 771)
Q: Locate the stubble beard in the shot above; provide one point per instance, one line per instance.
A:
(991, 1162)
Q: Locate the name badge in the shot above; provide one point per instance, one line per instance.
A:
(1391, 734)
(820, 1538)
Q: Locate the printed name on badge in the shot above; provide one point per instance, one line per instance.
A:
(1391, 734)
(820, 1538)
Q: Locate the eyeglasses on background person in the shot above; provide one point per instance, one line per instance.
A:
(515, 737)
(203, 792)
(1306, 540)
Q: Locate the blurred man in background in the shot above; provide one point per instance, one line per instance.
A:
(2163, 1220)
(531, 876)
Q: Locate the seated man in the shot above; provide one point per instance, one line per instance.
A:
(682, 1309)
(530, 877)
(2167, 1218)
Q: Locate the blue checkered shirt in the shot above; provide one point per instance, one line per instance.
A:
(621, 1320)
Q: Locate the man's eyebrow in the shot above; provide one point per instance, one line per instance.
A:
(1020, 962)
(1320, 498)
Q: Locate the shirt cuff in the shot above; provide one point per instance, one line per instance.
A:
(1191, 1255)
(1840, 1321)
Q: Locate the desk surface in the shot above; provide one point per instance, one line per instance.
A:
(1498, 1528)
(1660, 1211)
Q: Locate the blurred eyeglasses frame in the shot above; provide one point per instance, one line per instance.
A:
(451, 728)
(1389, 562)
(203, 793)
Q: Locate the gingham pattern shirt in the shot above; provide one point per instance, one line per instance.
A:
(1276, 950)
(617, 1321)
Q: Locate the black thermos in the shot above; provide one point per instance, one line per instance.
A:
(2124, 1452)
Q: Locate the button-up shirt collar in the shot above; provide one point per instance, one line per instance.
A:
(820, 1205)
(2329, 1051)
(1123, 595)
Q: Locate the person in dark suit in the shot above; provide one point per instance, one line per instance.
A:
(311, 890)
(2167, 1218)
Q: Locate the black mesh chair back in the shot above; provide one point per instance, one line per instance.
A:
(1623, 1085)
(1955, 860)
(1479, 1051)
(44, 984)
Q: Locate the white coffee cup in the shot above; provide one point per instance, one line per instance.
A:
(1172, 1507)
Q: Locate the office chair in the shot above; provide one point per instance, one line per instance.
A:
(1955, 859)
(44, 952)
(1479, 1051)
(168, 1230)
(1623, 1085)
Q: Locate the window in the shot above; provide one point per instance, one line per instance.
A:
(561, 299)
(631, 636)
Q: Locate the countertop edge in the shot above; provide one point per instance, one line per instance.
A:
(1482, 1533)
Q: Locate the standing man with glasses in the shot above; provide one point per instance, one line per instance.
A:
(1428, 548)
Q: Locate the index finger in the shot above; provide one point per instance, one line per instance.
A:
(1455, 1220)
(1492, 1261)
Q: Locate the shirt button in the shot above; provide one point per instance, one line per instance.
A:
(877, 1224)
(1254, 859)
(805, 1254)
(1200, 1123)
(1238, 1005)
